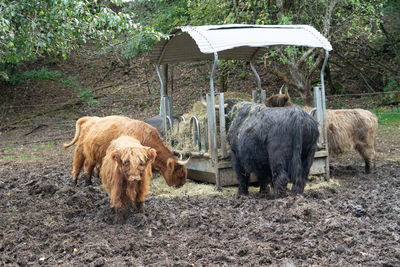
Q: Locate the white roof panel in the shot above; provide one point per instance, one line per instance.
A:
(233, 41)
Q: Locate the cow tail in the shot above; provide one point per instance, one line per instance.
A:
(77, 131)
(295, 170)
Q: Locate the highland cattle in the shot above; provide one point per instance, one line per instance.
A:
(348, 129)
(92, 143)
(126, 173)
(276, 144)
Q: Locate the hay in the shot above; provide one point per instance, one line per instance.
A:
(182, 137)
(159, 188)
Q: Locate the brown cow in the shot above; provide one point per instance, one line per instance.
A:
(94, 135)
(348, 129)
(126, 173)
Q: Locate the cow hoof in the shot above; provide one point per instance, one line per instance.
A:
(241, 195)
(139, 207)
(243, 192)
(119, 217)
(88, 182)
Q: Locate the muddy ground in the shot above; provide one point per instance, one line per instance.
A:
(47, 221)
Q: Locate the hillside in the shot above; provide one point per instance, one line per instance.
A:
(352, 219)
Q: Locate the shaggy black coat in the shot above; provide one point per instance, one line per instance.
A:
(277, 144)
(156, 122)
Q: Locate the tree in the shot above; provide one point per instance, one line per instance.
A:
(31, 29)
(352, 26)
(349, 25)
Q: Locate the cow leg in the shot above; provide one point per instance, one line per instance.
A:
(368, 154)
(78, 163)
(88, 170)
(298, 186)
(141, 193)
(300, 181)
(139, 207)
(280, 181)
(120, 214)
(242, 177)
(263, 182)
(96, 171)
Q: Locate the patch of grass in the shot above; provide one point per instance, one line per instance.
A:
(28, 157)
(43, 147)
(298, 102)
(83, 93)
(86, 94)
(8, 157)
(37, 147)
(42, 75)
(388, 116)
(339, 104)
(49, 146)
(70, 82)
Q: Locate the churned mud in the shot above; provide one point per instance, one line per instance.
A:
(44, 220)
(47, 221)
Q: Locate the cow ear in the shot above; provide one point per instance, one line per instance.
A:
(171, 165)
(115, 155)
(287, 94)
(152, 154)
(286, 98)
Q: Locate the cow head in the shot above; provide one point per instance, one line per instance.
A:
(229, 105)
(134, 162)
(279, 100)
(176, 173)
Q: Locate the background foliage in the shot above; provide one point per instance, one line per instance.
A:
(365, 34)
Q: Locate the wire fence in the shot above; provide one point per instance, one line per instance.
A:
(80, 102)
(70, 124)
(364, 94)
(107, 100)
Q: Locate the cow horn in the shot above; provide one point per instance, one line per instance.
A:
(280, 90)
(203, 101)
(184, 162)
(312, 111)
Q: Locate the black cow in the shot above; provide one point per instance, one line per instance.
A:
(156, 122)
(277, 144)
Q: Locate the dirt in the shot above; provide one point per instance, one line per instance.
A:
(47, 221)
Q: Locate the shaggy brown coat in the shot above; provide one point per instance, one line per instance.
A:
(348, 129)
(94, 135)
(126, 172)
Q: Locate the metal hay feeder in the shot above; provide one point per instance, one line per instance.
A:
(210, 160)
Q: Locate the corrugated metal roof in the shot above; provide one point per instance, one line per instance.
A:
(233, 41)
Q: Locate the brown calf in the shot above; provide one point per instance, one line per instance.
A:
(94, 135)
(348, 129)
(126, 172)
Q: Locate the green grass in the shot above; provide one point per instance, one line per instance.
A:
(31, 152)
(28, 157)
(388, 116)
(43, 147)
(70, 82)
(42, 75)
